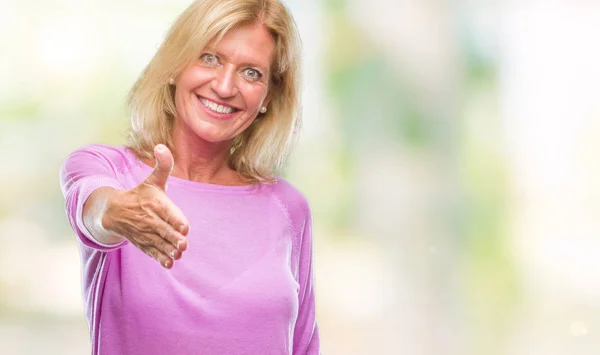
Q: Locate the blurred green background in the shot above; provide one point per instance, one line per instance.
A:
(449, 151)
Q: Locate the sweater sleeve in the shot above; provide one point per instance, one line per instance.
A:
(306, 332)
(82, 172)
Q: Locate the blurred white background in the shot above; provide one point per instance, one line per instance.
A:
(450, 152)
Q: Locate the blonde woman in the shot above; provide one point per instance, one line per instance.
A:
(221, 262)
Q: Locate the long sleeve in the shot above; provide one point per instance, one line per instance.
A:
(82, 172)
(306, 332)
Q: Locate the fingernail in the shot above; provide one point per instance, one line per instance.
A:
(181, 229)
(172, 254)
(167, 264)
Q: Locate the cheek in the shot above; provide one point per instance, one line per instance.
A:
(255, 105)
(193, 78)
(254, 96)
(180, 103)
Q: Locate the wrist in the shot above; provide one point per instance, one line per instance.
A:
(109, 203)
(97, 218)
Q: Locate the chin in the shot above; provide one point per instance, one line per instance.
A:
(213, 134)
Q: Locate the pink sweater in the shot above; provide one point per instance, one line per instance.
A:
(244, 286)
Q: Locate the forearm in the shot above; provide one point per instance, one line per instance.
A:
(94, 210)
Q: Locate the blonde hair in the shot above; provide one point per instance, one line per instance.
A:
(259, 151)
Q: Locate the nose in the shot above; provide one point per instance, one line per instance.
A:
(224, 83)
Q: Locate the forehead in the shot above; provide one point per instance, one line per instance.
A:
(247, 44)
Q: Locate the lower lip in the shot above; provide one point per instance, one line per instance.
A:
(216, 115)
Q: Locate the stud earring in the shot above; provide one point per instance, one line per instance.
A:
(171, 81)
(263, 109)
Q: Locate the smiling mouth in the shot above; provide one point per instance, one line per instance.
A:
(215, 107)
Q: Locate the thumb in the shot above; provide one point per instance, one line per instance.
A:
(163, 167)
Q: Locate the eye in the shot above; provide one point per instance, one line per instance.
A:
(209, 59)
(252, 74)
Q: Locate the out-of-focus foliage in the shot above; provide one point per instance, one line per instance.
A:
(449, 153)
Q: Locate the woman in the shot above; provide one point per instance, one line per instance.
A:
(230, 245)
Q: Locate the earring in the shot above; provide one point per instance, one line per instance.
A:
(171, 81)
(263, 109)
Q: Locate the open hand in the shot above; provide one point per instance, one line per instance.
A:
(146, 217)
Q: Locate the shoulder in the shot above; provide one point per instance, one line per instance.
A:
(291, 198)
(295, 205)
(106, 151)
(119, 156)
(98, 159)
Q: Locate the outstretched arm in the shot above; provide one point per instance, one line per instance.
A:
(105, 215)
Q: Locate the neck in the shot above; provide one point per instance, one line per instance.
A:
(201, 161)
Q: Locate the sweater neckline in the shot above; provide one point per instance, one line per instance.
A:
(189, 184)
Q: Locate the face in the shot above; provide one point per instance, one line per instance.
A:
(220, 94)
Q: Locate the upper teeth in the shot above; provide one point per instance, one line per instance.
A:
(216, 107)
